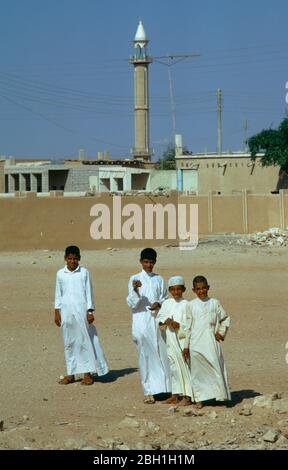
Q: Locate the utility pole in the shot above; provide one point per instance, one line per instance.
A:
(219, 122)
(246, 134)
(172, 98)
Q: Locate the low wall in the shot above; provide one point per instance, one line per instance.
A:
(30, 222)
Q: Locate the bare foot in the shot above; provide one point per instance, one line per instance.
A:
(185, 401)
(199, 405)
(87, 380)
(68, 379)
(173, 400)
(149, 400)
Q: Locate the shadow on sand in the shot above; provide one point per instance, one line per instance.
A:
(236, 397)
(114, 375)
(239, 395)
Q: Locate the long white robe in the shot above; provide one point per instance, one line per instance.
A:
(74, 296)
(208, 371)
(152, 354)
(175, 340)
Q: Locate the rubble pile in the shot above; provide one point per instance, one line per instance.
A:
(272, 237)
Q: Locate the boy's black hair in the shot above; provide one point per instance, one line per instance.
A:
(198, 279)
(73, 250)
(148, 253)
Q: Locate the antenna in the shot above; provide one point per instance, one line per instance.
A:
(172, 59)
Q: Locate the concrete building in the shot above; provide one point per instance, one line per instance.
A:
(84, 176)
(227, 174)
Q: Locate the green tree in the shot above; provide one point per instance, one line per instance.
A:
(167, 159)
(273, 143)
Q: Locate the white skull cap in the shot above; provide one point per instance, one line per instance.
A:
(176, 281)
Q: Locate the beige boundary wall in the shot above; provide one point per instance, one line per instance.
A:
(29, 222)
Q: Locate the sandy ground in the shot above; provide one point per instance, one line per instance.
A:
(38, 413)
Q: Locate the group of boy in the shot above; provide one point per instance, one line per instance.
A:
(178, 342)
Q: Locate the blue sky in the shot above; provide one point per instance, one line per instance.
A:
(66, 83)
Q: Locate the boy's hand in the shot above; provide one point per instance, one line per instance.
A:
(90, 316)
(175, 325)
(172, 324)
(57, 317)
(136, 284)
(186, 354)
(155, 306)
(218, 337)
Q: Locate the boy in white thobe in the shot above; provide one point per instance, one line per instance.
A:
(146, 293)
(74, 307)
(209, 325)
(175, 317)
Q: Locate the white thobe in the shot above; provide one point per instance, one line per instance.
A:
(152, 354)
(74, 296)
(179, 311)
(208, 371)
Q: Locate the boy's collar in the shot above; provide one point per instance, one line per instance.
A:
(66, 270)
(148, 274)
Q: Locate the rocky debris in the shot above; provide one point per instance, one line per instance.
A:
(265, 401)
(182, 445)
(190, 411)
(123, 447)
(111, 444)
(246, 410)
(152, 427)
(143, 446)
(156, 445)
(271, 435)
(281, 406)
(128, 422)
(272, 237)
(283, 422)
(173, 409)
(1, 425)
(74, 444)
(212, 415)
(282, 442)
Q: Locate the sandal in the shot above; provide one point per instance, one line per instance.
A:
(68, 379)
(87, 382)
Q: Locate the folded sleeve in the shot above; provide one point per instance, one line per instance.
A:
(89, 292)
(133, 299)
(223, 320)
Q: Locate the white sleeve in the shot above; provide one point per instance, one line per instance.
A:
(163, 313)
(89, 292)
(58, 293)
(224, 320)
(185, 324)
(133, 299)
(163, 292)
